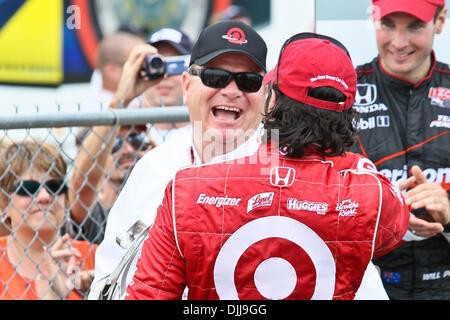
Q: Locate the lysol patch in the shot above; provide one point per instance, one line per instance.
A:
(260, 200)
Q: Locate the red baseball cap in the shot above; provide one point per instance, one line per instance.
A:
(422, 9)
(310, 63)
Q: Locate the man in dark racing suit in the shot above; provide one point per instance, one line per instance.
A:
(403, 99)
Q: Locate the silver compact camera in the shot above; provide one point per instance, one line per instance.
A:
(156, 66)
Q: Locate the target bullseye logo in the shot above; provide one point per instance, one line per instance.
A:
(275, 277)
(275, 290)
(235, 35)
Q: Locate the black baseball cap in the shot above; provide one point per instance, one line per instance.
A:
(174, 37)
(229, 36)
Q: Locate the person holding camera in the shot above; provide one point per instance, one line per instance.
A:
(174, 46)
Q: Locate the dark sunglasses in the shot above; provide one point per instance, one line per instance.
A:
(30, 188)
(309, 35)
(219, 78)
(138, 141)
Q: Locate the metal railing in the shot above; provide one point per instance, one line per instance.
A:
(104, 118)
(60, 129)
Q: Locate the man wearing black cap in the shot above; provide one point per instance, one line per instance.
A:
(224, 93)
(223, 87)
(299, 219)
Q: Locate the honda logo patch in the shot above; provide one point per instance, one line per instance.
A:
(365, 94)
(282, 176)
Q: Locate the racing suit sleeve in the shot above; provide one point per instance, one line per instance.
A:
(160, 273)
(393, 220)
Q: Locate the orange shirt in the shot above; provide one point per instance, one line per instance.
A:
(15, 287)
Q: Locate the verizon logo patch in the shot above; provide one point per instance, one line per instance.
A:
(318, 207)
(218, 201)
(260, 200)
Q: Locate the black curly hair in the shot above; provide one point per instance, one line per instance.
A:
(299, 126)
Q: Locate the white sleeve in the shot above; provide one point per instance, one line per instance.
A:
(371, 287)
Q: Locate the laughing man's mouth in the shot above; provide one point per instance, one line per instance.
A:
(226, 113)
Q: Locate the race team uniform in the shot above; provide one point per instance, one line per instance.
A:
(269, 226)
(404, 124)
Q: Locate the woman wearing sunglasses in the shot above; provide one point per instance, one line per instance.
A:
(37, 262)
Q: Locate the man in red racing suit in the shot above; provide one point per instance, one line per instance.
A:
(306, 226)
(299, 219)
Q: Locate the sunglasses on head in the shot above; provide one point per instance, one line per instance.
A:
(31, 188)
(137, 140)
(219, 78)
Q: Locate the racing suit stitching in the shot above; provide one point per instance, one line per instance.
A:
(199, 177)
(165, 274)
(296, 180)
(339, 186)
(223, 208)
(201, 288)
(348, 241)
(150, 287)
(279, 201)
(351, 292)
(280, 190)
(203, 232)
(160, 229)
(389, 229)
(229, 234)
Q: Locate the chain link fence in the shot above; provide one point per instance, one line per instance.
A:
(32, 265)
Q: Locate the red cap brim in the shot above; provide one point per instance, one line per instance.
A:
(270, 76)
(421, 9)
